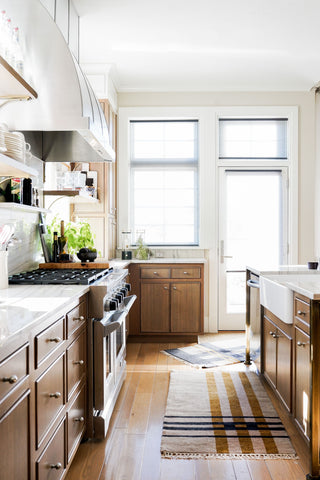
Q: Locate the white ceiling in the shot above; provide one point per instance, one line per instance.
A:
(203, 45)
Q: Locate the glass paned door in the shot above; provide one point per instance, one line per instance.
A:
(252, 232)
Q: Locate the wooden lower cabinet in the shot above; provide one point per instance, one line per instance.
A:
(170, 299)
(302, 381)
(51, 464)
(43, 405)
(186, 307)
(155, 307)
(277, 348)
(15, 440)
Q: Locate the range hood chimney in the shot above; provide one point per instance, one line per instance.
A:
(65, 123)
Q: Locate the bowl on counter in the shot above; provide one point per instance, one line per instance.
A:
(86, 255)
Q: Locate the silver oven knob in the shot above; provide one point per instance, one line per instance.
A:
(119, 296)
(111, 304)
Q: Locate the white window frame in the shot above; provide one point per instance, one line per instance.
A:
(171, 164)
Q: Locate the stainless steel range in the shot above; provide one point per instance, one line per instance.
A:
(108, 307)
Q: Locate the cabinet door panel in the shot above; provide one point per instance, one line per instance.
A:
(155, 298)
(186, 307)
(284, 368)
(302, 383)
(270, 351)
(49, 397)
(76, 363)
(15, 441)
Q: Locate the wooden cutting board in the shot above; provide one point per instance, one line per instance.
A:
(61, 265)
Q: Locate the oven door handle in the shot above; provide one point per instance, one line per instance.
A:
(129, 301)
(112, 323)
(253, 284)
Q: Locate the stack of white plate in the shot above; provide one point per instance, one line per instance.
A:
(3, 129)
(16, 146)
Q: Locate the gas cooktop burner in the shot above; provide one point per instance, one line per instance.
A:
(63, 276)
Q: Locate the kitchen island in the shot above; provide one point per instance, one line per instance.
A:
(290, 339)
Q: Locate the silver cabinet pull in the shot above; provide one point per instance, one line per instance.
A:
(301, 344)
(174, 288)
(300, 312)
(272, 333)
(55, 339)
(185, 273)
(12, 379)
(55, 395)
(79, 419)
(78, 362)
(155, 273)
(78, 319)
(56, 466)
(166, 288)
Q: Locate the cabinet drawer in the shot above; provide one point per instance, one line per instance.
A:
(76, 318)
(49, 397)
(49, 340)
(51, 464)
(76, 363)
(12, 370)
(155, 272)
(189, 272)
(302, 310)
(76, 422)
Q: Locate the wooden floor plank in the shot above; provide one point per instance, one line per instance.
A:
(177, 469)
(221, 470)
(241, 470)
(282, 469)
(258, 470)
(124, 414)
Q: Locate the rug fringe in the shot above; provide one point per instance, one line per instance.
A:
(229, 456)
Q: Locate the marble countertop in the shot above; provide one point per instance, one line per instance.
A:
(278, 269)
(22, 305)
(118, 263)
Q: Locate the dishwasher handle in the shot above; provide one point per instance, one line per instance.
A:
(253, 284)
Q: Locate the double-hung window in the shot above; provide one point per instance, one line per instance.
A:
(164, 181)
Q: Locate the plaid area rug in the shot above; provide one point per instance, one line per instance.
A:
(222, 414)
(210, 354)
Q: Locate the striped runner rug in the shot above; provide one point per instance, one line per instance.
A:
(224, 414)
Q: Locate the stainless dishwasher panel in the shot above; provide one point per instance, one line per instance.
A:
(253, 320)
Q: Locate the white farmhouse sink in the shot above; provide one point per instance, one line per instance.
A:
(277, 297)
(276, 292)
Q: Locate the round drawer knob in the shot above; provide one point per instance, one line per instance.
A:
(166, 288)
(56, 466)
(155, 273)
(12, 379)
(55, 395)
(174, 288)
(185, 273)
(301, 344)
(78, 362)
(55, 339)
(300, 312)
(78, 319)
(79, 419)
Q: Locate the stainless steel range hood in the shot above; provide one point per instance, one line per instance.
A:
(65, 123)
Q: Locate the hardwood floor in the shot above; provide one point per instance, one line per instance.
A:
(131, 450)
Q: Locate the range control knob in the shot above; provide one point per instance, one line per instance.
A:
(124, 291)
(119, 297)
(113, 304)
(128, 287)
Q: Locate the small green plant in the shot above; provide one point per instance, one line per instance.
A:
(142, 251)
(79, 234)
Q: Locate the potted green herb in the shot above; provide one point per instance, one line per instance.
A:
(80, 238)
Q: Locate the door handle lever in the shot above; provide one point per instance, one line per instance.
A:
(222, 255)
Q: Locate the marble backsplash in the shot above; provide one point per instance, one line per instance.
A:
(24, 250)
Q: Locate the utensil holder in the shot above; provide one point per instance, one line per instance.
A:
(3, 269)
